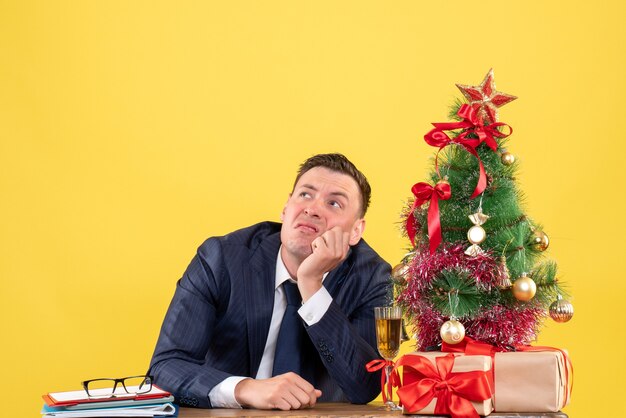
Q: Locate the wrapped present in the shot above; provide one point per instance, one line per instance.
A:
(447, 384)
(532, 381)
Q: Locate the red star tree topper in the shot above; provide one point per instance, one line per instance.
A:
(486, 97)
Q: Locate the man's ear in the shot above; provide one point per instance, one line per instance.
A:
(282, 214)
(357, 231)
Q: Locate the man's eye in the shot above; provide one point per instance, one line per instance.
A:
(305, 194)
(335, 204)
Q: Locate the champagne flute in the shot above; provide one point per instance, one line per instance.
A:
(388, 334)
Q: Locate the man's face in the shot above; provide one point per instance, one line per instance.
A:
(321, 200)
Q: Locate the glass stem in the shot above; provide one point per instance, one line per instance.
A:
(389, 387)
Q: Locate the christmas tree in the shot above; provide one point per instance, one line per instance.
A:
(477, 264)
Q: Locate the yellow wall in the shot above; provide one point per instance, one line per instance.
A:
(131, 131)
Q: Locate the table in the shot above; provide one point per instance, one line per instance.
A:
(334, 410)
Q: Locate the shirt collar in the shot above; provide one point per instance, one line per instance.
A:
(282, 275)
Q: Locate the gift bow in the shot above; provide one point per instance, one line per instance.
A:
(394, 378)
(471, 124)
(454, 391)
(424, 192)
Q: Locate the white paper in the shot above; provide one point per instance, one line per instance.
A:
(136, 411)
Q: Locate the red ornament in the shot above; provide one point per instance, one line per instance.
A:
(486, 97)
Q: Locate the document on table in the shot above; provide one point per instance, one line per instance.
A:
(155, 410)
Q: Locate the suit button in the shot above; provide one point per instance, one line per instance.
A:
(186, 401)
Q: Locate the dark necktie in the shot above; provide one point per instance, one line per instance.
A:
(289, 345)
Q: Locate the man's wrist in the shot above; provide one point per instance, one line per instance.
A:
(309, 286)
(223, 394)
(315, 308)
(239, 391)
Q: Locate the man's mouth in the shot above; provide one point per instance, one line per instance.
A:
(307, 227)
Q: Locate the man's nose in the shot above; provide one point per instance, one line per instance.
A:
(312, 209)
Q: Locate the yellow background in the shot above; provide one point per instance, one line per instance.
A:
(132, 130)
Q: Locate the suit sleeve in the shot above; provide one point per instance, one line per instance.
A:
(347, 342)
(178, 363)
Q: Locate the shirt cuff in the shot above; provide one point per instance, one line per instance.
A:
(223, 394)
(316, 306)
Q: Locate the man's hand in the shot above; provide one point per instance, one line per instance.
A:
(329, 249)
(286, 391)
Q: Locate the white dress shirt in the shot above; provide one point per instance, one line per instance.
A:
(223, 394)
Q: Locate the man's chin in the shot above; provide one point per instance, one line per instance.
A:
(298, 248)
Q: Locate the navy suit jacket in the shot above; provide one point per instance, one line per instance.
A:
(218, 321)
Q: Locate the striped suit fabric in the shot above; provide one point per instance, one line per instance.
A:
(218, 321)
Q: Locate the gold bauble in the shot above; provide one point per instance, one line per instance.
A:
(561, 310)
(524, 288)
(540, 241)
(399, 271)
(444, 181)
(507, 158)
(452, 332)
(476, 234)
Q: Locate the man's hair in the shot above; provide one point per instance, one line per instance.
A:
(340, 164)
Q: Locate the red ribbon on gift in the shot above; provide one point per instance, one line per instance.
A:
(471, 124)
(471, 347)
(454, 391)
(424, 192)
(394, 378)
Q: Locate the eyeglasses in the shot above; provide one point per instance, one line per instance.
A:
(108, 388)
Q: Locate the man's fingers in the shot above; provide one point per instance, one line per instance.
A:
(318, 243)
(334, 239)
(287, 391)
(328, 250)
(342, 242)
(282, 404)
(314, 396)
(345, 244)
(300, 393)
(299, 398)
(292, 400)
(308, 394)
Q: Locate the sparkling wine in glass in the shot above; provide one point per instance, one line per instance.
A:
(388, 336)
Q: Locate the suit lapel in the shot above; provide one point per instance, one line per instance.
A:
(259, 280)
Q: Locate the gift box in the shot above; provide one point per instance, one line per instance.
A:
(446, 383)
(531, 381)
(534, 379)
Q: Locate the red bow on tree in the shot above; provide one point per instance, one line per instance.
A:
(454, 391)
(424, 192)
(472, 124)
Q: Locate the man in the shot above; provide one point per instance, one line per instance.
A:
(224, 342)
